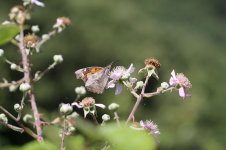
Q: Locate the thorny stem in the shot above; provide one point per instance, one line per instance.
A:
(158, 92)
(27, 130)
(63, 135)
(26, 67)
(139, 99)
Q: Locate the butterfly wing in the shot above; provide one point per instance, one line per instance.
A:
(95, 78)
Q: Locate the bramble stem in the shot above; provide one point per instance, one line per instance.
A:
(139, 99)
(63, 135)
(27, 79)
(27, 130)
(116, 117)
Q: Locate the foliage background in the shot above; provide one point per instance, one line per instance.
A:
(188, 36)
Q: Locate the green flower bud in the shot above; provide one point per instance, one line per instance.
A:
(27, 118)
(65, 109)
(113, 106)
(3, 118)
(106, 117)
(17, 107)
(58, 58)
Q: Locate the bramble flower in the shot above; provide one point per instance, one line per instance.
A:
(119, 74)
(89, 105)
(150, 126)
(30, 41)
(181, 82)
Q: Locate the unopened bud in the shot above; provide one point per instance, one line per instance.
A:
(3, 118)
(27, 118)
(58, 58)
(13, 88)
(13, 66)
(17, 107)
(65, 109)
(113, 106)
(35, 28)
(164, 85)
(80, 90)
(139, 85)
(106, 117)
(71, 129)
(74, 115)
(25, 87)
(1, 52)
(45, 37)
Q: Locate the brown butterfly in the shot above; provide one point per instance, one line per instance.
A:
(95, 78)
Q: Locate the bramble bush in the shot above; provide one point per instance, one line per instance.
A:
(75, 131)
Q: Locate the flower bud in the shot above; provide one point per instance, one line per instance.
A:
(3, 118)
(106, 117)
(17, 107)
(74, 115)
(65, 109)
(139, 85)
(80, 90)
(35, 28)
(24, 87)
(27, 118)
(13, 66)
(58, 58)
(45, 37)
(113, 106)
(5, 22)
(164, 85)
(13, 88)
(1, 52)
(71, 129)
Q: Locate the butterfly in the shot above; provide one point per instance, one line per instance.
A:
(95, 78)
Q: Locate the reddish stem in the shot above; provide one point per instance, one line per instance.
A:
(139, 99)
(27, 79)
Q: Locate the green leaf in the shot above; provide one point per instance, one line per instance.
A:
(40, 146)
(7, 32)
(122, 138)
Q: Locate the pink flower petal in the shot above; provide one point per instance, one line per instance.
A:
(182, 92)
(118, 89)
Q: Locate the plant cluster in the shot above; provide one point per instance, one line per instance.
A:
(96, 79)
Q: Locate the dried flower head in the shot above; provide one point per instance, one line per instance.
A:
(89, 106)
(180, 81)
(152, 62)
(30, 41)
(61, 23)
(88, 101)
(18, 14)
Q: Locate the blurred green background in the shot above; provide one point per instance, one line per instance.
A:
(188, 36)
